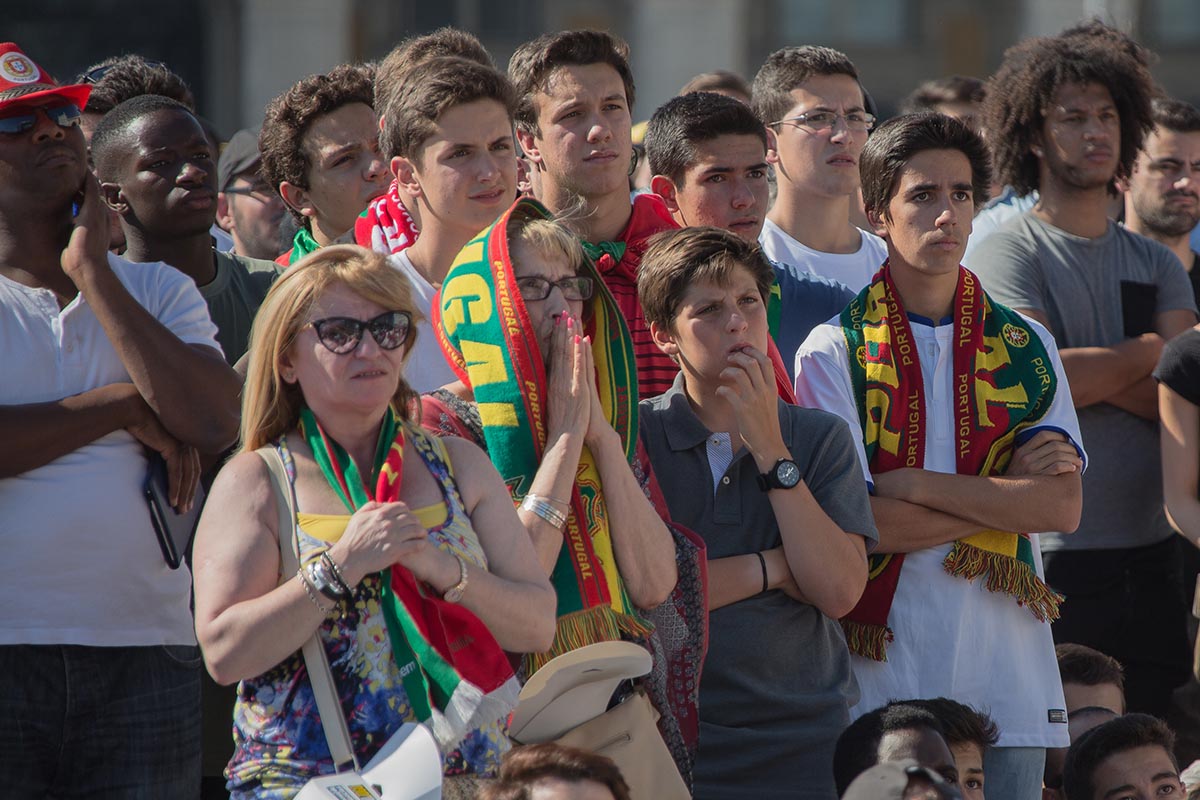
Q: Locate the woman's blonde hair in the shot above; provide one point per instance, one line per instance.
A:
(271, 406)
(546, 236)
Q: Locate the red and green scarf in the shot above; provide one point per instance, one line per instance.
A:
(452, 689)
(386, 226)
(485, 332)
(996, 396)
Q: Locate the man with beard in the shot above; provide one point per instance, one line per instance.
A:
(158, 173)
(1069, 116)
(1162, 200)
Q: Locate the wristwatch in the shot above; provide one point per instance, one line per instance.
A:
(784, 475)
(323, 581)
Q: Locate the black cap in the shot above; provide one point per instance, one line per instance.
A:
(238, 156)
(889, 780)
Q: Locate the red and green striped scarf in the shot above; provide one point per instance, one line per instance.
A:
(485, 332)
(453, 690)
(996, 397)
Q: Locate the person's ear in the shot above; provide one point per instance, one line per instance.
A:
(665, 188)
(1037, 146)
(287, 371)
(225, 212)
(878, 222)
(114, 198)
(665, 340)
(297, 198)
(772, 147)
(529, 145)
(405, 172)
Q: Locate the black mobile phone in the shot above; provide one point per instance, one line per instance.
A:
(174, 530)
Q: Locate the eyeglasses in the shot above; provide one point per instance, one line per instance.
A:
(341, 335)
(260, 192)
(67, 116)
(819, 121)
(577, 287)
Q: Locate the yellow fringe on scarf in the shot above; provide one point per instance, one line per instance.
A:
(868, 641)
(1006, 575)
(596, 624)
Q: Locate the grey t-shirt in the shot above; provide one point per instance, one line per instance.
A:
(1091, 291)
(777, 683)
(233, 298)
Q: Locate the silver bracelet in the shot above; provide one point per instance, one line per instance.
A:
(311, 591)
(336, 572)
(538, 507)
(548, 499)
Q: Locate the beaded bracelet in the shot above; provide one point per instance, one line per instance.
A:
(311, 591)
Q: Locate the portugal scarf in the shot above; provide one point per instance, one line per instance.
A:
(484, 329)
(996, 397)
(386, 226)
(452, 689)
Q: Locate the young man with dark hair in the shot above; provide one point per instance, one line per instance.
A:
(967, 432)
(898, 731)
(1069, 118)
(722, 82)
(449, 130)
(100, 361)
(1090, 678)
(119, 78)
(1163, 196)
(320, 151)
(1130, 757)
(812, 103)
(783, 513)
(247, 207)
(556, 772)
(955, 96)
(708, 154)
(157, 172)
(970, 734)
(392, 221)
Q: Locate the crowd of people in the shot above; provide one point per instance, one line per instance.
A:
(462, 372)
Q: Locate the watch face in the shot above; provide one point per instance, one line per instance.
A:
(787, 473)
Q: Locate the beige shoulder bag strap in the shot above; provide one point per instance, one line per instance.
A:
(333, 720)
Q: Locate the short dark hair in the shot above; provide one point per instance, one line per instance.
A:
(1175, 115)
(1032, 71)
(289, 116)
(1115, 736)
(524, 766)
(961, 723)
(429, 89)
(1078, 663)
(684, 121)
(119, 78)
(532, 64)
(953, 89)
(896, 141)
(786, 69)
(678, 259)
(444, 42)
(111, 130)
(857, 749)
(721, 79)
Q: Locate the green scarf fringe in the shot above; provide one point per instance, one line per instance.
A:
(581, 628)
(1005, 574)
(866, 640)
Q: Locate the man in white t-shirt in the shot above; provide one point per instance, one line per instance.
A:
(941, 387)
(448, 132)
(101, 361)
(813, 106)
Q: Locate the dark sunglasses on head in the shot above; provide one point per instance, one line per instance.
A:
(576, 287)
(341, 335)
(94, 75)
(66, 116)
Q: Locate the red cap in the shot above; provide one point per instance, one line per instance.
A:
(21, 80)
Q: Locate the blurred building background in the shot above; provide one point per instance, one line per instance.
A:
(238, 54)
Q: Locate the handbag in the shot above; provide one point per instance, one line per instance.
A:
(565, 701)
(409, 765)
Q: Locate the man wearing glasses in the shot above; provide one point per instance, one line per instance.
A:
(100, 361)
(247, 207)
(817, 123)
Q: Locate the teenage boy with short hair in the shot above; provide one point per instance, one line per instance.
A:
(1129, 757)
(708, 154)
(158, 174)
(896, 732)
(966, 429)
(320, 150)
(812, 103)
(1071, 114)
(449, 129)
(783, 514)
(969, 734)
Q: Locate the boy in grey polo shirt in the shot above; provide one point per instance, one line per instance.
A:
(777, 494)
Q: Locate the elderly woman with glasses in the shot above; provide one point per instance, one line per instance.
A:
(548, 387)
(395, 528)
